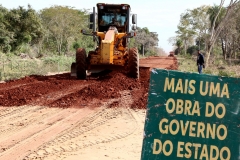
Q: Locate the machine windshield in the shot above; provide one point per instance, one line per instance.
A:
(112, 19)
(112, 15)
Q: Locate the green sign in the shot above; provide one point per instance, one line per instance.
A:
(192, 116)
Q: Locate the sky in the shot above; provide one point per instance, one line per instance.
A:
(160, 16)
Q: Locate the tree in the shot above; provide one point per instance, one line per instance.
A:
(217, 28)
(26, 26)
(147, 40)
(228, 37)
(179, 44)
(212, 12)
(160, 51)
(63, 26)
(19, 27)
(200, 23)
(6, 37)
(185, 31)
(193, 27)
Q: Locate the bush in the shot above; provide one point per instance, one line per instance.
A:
(76, 45)
(187, 56)
(150, 53)
(24, 48)
(192, 49)
(226, 74)
(58, 61)
(7, 49)
(51, 60)
(219, 62)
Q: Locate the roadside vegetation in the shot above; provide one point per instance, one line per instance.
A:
(38, 42)
(218, 66)
(14, 67)
(215, 31)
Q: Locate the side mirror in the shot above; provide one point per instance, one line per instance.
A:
(134, 27)
(134, 19)
(91, 18)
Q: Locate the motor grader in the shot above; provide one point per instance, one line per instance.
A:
(112, 27)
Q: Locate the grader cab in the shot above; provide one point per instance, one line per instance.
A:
(112, 27)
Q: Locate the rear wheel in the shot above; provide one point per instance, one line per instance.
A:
(133, 63)
(81, 63)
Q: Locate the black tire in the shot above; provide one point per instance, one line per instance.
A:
(81, 63)
(133, 63)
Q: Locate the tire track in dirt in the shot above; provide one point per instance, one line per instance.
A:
(5, 111)
(18, 86)
(74, 139)
(16, 133)
(52, 98)
(34, 91)
(17, 121)
(21, 143)
(18, 83)
(101, 107)
(50, 148)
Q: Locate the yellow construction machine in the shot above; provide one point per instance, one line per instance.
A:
(112, 27)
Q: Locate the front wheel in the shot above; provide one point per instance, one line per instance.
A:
(133, 63)
(81, 63)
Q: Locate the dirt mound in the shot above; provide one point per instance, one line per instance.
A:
(107, 87)
(24, 91)
(110, 86)
(65, 91)
(32, 89)
(173, 66)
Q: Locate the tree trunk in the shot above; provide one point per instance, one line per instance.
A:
(234, 47)
(208, 55)
(215, 31)
(223, 48)
(58, 46)
(185, 47)
(61, 42)
(143, 48)
(179, 50)
(227, 50)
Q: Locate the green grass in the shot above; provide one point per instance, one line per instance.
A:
(13, 67)
(216, 67)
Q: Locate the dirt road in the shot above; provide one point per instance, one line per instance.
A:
(59, 117)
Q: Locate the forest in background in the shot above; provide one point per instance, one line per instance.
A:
(56, 31)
